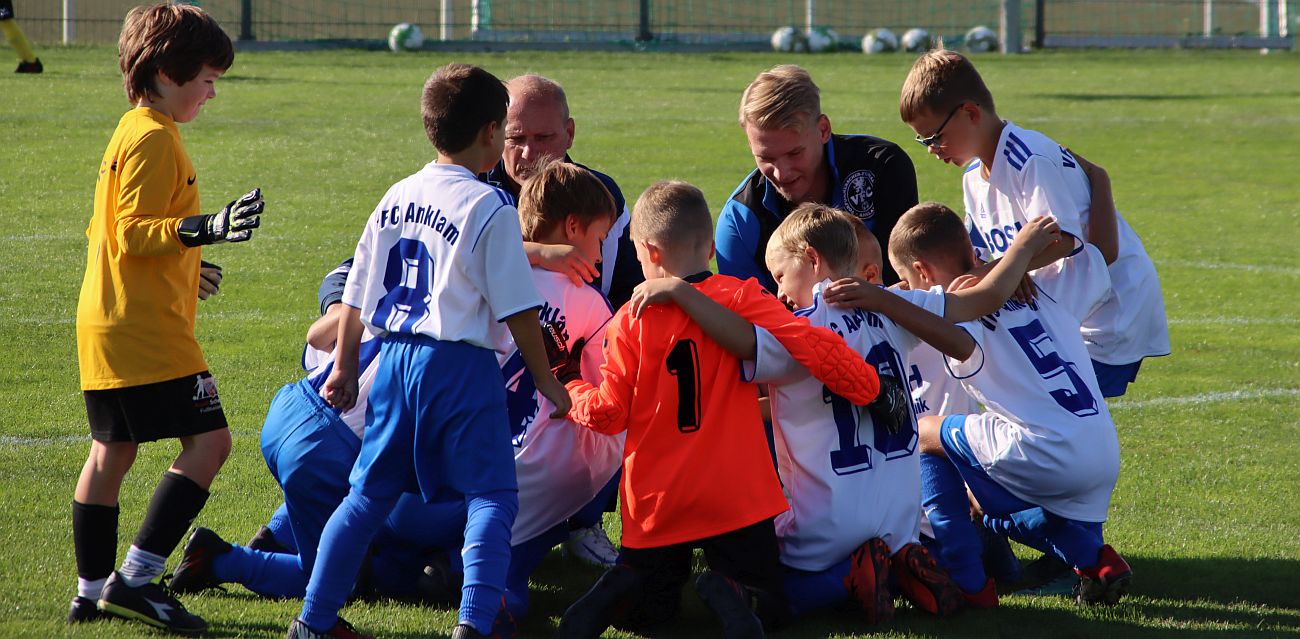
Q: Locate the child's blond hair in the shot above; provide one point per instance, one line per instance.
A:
(674, 216)
(558, 190)
(827, 230)
(940, 81)
(176, 40)
(782, 97)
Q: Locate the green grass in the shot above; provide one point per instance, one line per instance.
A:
(1202, 148)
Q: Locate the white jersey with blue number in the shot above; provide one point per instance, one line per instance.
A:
(1047, 436)
(1033, 176)
(441, 255)
(319, 364)
(847, 479)
(560, 465)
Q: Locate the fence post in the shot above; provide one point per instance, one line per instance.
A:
(1207, 18)
(1268, 18)
(445, 17)
(643, 30)
(1040, 23)
(1010, 23)
(246, 19)
(810, 15)
(69, 21)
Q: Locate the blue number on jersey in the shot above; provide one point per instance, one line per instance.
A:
(1037, 345)
(903, 443)
(408, 280)
(521, 397)
(853, 456)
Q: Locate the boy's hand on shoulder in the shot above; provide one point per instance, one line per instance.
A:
(855, 292)
(340, 389)
(1038, 234)
(566, 260)
(565, 359)
(233, 223)
(662, 290)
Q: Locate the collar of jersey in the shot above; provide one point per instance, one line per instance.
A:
(698, 277)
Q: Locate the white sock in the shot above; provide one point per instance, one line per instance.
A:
(90, 589)
(141, 567)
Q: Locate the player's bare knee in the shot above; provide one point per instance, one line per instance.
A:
(208, 449)
(928, 435)
(114, 458)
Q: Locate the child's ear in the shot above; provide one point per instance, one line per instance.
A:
(653, 253)
(487, 135)
(922, 270)
(713, 249)
(871, 273)
(572, 226)
(814, 258)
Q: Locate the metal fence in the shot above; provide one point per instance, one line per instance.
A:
(695, 22)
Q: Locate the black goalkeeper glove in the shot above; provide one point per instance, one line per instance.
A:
(892, 408)
(565, 361)
(234, 223)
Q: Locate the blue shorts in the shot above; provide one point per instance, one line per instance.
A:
(993, 498)
(310, 452)
(1113, 379)
(439, 423)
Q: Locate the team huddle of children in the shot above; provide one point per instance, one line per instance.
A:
(445, 439)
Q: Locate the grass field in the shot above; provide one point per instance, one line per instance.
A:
(1202, 148)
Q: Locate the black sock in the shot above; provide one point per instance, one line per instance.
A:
(94, 536)
(176, 502)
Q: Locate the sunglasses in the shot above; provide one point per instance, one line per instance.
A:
(933, 140)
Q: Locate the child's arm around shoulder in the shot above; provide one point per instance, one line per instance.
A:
(818, 349)
(926, 326)
(994, 288)
(720, 323)
(1102, 228)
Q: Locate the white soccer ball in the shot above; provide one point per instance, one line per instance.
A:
(789, 40)
(981, 39)
(879, 41)
(823, 40)
(405, 37)
(917, 41)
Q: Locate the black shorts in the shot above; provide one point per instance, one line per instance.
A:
(6, 10)
(163, 410)
(751, 556)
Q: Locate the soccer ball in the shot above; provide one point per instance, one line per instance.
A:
(789, 40)
(917, 41)
(879, 41)
(405, 37)
(981, 40)
(822, 40)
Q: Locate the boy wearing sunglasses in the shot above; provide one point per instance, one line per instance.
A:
(1013, 175)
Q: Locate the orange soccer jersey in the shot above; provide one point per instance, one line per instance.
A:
(696, 462)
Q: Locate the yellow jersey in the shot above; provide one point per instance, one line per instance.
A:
(135, 315)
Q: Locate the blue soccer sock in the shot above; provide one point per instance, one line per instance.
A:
(268, 574)
(486, 556)
(524, 559)
(1076, 542)
(281, 529)
(343, 547)
(810, 591)
(943, 496)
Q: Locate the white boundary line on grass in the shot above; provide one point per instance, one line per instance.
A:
(1205, 398)
(1228, 266)
(18, 441)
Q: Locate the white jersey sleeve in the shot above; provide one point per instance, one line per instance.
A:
(560, 466)
(1048, 437)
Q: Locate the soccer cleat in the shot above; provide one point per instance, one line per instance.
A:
(341, 630)
(194, 573)
(868, 580)
(265, 541)
(151, 604)
(438, 584)
(924, 583)
(83, 610)
(592, 546)
(1106, 582)
(1048, 576)
(611, 596)
(731, 603)
(1000, 562)
(30, 67)
(984, 598)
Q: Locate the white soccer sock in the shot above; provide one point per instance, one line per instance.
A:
(90, 588)
(141, 567)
